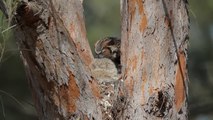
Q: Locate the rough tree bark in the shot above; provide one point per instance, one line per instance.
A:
(56, 55)
(154, 53)
(52, 40)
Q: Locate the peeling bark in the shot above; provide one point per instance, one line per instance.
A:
(154, 52)
(56, 53)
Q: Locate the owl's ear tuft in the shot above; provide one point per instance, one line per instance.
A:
(109, 47)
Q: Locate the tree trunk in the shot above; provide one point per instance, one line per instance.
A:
(153, 85)
(56, 55)
(154, 52)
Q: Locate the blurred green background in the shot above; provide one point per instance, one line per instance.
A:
(103, 19)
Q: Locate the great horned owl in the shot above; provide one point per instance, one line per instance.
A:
(109, 47)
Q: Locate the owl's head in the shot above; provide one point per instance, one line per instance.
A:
(108, 47)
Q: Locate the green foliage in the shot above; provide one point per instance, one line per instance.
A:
(5, 29)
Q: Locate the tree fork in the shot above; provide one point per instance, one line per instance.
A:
(56, 54)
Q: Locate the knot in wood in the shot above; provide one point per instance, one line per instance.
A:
(159, 104)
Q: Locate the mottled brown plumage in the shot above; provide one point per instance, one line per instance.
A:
(109, 47)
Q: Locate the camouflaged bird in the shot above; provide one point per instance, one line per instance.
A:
(109, 47)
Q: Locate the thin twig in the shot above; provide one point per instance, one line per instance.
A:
(12, 97)
(16, 100)
(9, 28)
(2, 106)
